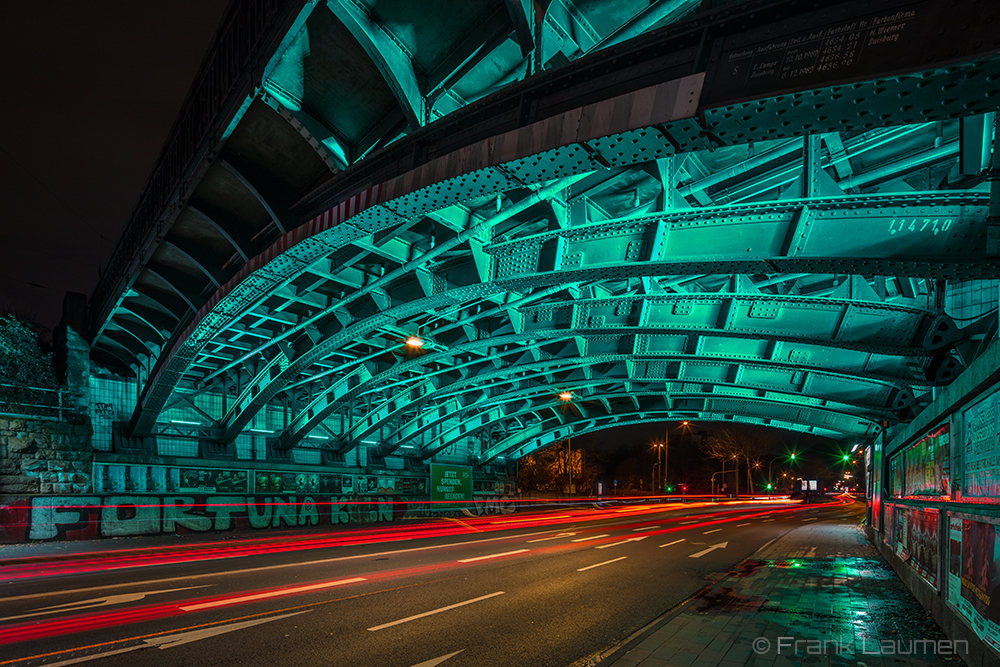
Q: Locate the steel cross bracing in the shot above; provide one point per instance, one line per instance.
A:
(625, 228)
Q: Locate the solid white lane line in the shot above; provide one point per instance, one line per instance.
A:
(670, 544)
(554, 537)
(636, 530)
(435, 611)
(613, 560)
(270, 594)
(595, 537)
(740, 525)
(615, 544)
(707, 532)
(506, 553)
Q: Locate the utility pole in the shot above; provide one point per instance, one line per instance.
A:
(569, 464)
(666, 456)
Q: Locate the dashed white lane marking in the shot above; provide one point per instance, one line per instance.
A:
(581, 569)
(766, 520)
(707, 532)
(812, 519)
(684, 523)
(505, 553)
(670, 544)
(433, 662)
(554, 537)
(740, 525)
(435, 611)
(615, 544)
(636, 530)
(270, 594)
(595, 537)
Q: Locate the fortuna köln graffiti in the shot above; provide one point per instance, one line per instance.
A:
(89, 517)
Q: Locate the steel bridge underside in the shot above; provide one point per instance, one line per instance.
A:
(753, 214)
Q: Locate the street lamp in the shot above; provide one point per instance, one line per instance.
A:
(791, 459)
(721, 472)
(666, 452)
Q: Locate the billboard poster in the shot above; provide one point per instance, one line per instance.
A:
(895, 477)
(979, 579)
(981, 450)
(922, 542)
(900, 530)
(450, 482)
(111, 478)
(955, 560)
(927, 464)
(890, 524)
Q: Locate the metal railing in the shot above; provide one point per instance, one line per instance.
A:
(35, 402)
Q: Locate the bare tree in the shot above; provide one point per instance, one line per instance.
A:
(742, 442)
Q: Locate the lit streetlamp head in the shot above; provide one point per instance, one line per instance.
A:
(415, 341)
(566, 396)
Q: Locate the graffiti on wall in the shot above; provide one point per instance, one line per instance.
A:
(86, 517)
(493, 505)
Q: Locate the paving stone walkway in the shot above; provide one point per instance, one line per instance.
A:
(819, 595)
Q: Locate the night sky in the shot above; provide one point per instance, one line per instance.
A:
(91, 90)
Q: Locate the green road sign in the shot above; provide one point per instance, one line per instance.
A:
(451, 482)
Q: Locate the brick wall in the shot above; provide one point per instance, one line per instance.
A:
(43, 456)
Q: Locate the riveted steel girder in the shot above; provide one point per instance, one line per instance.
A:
(662, 242)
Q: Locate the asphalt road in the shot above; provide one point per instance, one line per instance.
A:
(523, 589)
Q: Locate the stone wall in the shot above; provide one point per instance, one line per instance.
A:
(43, 456)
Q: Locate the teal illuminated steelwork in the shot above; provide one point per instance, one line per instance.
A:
(567, 211)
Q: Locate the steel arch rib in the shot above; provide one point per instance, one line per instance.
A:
(328, 231)
(471, 168)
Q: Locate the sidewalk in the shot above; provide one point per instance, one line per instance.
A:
(823, 586)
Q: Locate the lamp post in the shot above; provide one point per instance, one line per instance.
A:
(569, 464)
(666, 454)
(791, 458)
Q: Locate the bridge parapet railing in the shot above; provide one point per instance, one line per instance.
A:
(238, 46)
(26, 402)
